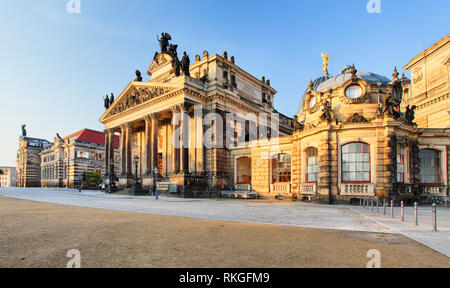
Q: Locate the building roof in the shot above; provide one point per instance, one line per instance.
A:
(91, 136)
(428, 51)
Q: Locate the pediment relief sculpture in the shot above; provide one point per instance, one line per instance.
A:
(136, 96)
(356, 118)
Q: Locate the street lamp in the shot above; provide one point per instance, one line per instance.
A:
(112, 179)
(155, 182)
(136, 185)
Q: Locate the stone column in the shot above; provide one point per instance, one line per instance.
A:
(107, 147)
(129, 161)
(148, 145)
(199, 152)
(154, 139)
(111, 152)
(123, 161)
(173, 140)
(184, 141)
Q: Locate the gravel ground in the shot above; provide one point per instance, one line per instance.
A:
(36, 234)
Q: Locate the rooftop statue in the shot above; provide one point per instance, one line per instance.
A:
(410, 115)
(111, 99)
(138, 76)
(164, 41)
(185, 64)
(106, 100)
(24, 131)
(391, 106)
(325, 63)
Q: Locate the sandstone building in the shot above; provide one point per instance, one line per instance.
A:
(430, 85)
(9, 177)
(28, 161)
(63, 164)
(356, 134)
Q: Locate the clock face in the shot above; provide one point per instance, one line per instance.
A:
(312, 102)
(353, 92)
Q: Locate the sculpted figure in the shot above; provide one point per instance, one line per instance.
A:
(390, 106)
(297, 125)
(111, 99)
(106, 100)
(327, 112)
(24, 131)
(138, 76)
(410, 114)
(185, 63)
(164, 41)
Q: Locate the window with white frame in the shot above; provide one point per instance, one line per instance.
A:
(356, 162)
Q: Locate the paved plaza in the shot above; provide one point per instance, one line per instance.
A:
(350, 218)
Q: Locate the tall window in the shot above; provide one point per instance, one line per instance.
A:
(281, 168)
(356, 162)
(400, 164)
(312, 165)
(430, 172)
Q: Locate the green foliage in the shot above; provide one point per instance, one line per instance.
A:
(93, 179)
(2, 172)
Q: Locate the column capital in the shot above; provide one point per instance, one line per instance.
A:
(125, 126)
(151, 117)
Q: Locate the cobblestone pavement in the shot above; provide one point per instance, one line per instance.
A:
(282, 213)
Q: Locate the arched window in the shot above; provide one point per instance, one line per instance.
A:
(281, 168)
(400, 164)
(356, 162)
(312, 166)
(430, 172)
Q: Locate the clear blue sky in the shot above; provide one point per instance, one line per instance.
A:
(55, 67)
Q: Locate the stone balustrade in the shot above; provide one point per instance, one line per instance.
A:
(357, 189)
(308, 189)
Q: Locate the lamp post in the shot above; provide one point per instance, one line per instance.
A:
(155, 182)
(112, 178)
(137, 185)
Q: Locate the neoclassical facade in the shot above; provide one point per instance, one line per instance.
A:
(354, 136)
(163, 122)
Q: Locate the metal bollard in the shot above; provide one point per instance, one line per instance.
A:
(378, 206)
(384, 206)
(416, 214)
(360, 202)
(392, 208)
(403, 211)
(434, 214)
(445, 200)
(371, 203)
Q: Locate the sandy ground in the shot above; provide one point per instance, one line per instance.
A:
(36, 234)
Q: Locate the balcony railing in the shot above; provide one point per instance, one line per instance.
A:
(281, 188)
(433, 190)
(308, 189)
(357, 189)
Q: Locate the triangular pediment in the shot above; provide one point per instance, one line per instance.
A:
(137, 94)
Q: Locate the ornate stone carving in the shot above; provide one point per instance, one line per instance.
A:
(297, 125)
(356, 118)
(327, 112)
(136, 96)
(391, 106)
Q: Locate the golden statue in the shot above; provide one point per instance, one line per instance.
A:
(325, 63)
